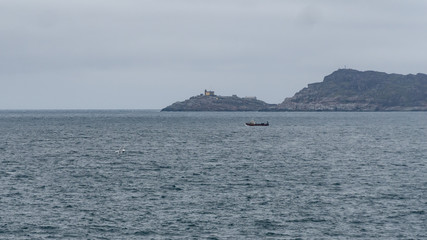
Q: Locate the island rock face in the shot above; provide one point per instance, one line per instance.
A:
(219, 103)
(352, 90)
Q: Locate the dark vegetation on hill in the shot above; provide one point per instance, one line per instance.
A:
(352, 90)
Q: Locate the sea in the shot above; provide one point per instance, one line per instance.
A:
(146, 174)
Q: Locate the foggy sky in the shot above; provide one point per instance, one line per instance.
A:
(147, 54)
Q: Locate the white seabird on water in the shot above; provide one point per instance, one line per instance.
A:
(121, 150)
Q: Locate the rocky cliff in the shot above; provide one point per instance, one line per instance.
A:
(352, 90)
(219, 103)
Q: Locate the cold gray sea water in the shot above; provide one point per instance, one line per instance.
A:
(204, 175)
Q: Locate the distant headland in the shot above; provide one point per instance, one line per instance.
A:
(343, 90)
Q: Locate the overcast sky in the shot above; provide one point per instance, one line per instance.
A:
(147, 54)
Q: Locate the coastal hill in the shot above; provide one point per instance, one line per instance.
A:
(211, 102)
(352, 90)
(343, 90)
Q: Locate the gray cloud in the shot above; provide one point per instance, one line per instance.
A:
(148, 54)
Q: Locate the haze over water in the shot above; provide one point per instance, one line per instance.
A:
(204, 175)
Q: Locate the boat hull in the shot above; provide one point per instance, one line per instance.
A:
(257, 124)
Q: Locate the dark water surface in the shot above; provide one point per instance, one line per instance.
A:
(207, 176)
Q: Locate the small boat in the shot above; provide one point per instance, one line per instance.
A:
(253, 123)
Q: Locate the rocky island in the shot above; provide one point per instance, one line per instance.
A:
(343, 90)
(211, 102)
